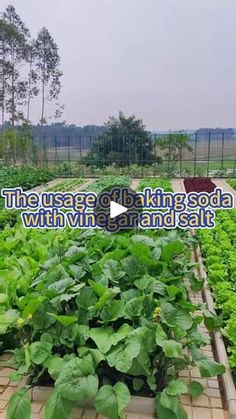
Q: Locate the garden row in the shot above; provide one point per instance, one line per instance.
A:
(218, 247)
(102, 317)
(25, 177)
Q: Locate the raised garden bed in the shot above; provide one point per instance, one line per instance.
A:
(104, 318)
(162, 183)
(220, 349)
(199, 184)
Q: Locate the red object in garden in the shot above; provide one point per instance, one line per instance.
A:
(199, 184)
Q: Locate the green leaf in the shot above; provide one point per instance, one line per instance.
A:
(112, 312)
(176, 388)
(133, 267)
(4, 299)
(211, 321)
(176, 317)
(140, 250)
(209, 368)
(46, 337)
(40, 351)
(196, 283)
(171, 348)
(163, 412)
(133, 308)
(196, 389)
(173, 404)
(106, 337)
(77, 381)
(61, 286)
(19, 405)
(111, 401)
(121, 357)
(57, 407)
(96, 354)
(112, 271)
(139, 238)
(64, 320)
(141, 365)
(121, 333)
(55, 366)
(173, 291)
(7, 319)
(75, 253)
(138, 383)
(145, 282)
(101, 336)
(86, 298)
(171, 250)
(160, 335)
(78, 271)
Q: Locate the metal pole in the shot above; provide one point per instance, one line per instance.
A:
(208, 154)
(222, 150)
(56, 155)
(68, 150)
(181, 159)
(195, 155)
(142, 160)
(45, 152)
(155, 156)
(169, 137)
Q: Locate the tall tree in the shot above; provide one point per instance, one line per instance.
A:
(124, 142)
(47, 65)
(32, 85)
(173, 146)
(15, 52)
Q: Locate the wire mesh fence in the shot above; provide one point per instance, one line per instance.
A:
(211, 154)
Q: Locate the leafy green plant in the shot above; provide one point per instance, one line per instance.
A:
(66, 185)
(26, 177)
(103, 317)
(107, 182)
(220, 262)
(154, 183)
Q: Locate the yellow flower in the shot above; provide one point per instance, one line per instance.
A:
(156, 313)
(29, 317)
(20, 322)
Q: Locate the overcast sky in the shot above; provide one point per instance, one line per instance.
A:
(170, 62)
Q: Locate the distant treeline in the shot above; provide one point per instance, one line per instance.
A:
(62, 135)
(63, 131)
(215, 133)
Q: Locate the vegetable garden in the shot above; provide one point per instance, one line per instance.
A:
(102, 317)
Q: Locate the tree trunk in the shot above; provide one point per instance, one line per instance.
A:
(43, 107)
(29, 95)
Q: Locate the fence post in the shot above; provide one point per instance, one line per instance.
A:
(68, 150)
(80, 157)
(155, 156)
(208, 154)
(181, 159)
(234, 170)
(195, 155)
(222, 151)
(169, 136)
(56, 155)
(45, 152)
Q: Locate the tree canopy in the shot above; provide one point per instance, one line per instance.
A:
(124, 142)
